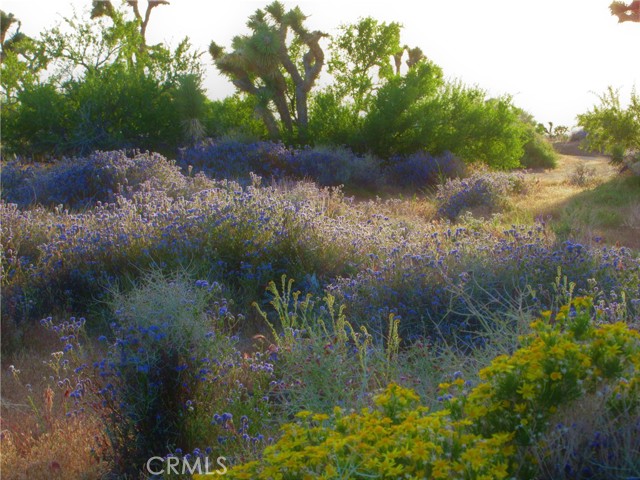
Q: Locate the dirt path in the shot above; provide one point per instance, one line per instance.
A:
(555, 197)
(570, 158)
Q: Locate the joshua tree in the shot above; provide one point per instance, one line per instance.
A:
(626, 12)
(7, 20)
(276, 70)
(105, 8)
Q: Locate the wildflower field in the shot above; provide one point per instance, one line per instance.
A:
(291, 330)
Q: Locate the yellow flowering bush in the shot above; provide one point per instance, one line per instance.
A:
(482, 434)
(397, 439)
(562, 360)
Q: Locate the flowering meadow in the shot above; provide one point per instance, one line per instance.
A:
(238, 303)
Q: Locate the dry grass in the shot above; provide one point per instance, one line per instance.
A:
(72, 448)
(37, 437)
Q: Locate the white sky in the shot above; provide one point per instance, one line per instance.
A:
(552, 56)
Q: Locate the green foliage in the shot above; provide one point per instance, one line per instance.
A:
(79, 46)
(104, 91)
(38, 123)
(332, 121)
(275, 69)
(114, 107)
(610, 127)
(392, 126)
(487, 431)
(538, 151)
(22, 60)
(361, 59)
(120, 107)
(234, 116)
(419, 111)
(191, 104)
(473, 127)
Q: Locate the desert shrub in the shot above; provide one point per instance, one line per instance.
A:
(421, 170)
(322, 360)
(397, 438)
(235, 160)
(481, 189)
(81, 182)
(565, 359)
(335, 166)
(488, 429)
(475, 128)
(171, 381)
(111, 108)
(119, 107)
(610, 127)
(246, 234)
(162, 331)
(420, 112)
(332, 121)
(538, 151)
(234, 116)
(436, 284)
(15, 180)
(38, 124)
(582, 175)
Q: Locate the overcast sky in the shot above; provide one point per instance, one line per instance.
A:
(552, 56)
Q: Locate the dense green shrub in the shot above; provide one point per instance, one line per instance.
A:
(332, 121)
(234, 117)
(475, 128)
(420, 112)
(38, 124)
(394, 123)
(610, 127)
(115, 107)
(538, 152)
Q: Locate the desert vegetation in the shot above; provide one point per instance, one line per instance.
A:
(389, 276)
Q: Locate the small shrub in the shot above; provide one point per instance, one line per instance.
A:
(330, 167)
(487, 190)
(322, 359)
(397, 438)
(235, 160)
(582, 175)
(421, 170)
(538, 152)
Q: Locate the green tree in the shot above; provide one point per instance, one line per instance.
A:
(105, 8)
(332, 120)
(21, 56)
(610, 127)
(37, 123)
(361, 59)
(394, 121)
(82, 45)
(264, 64)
